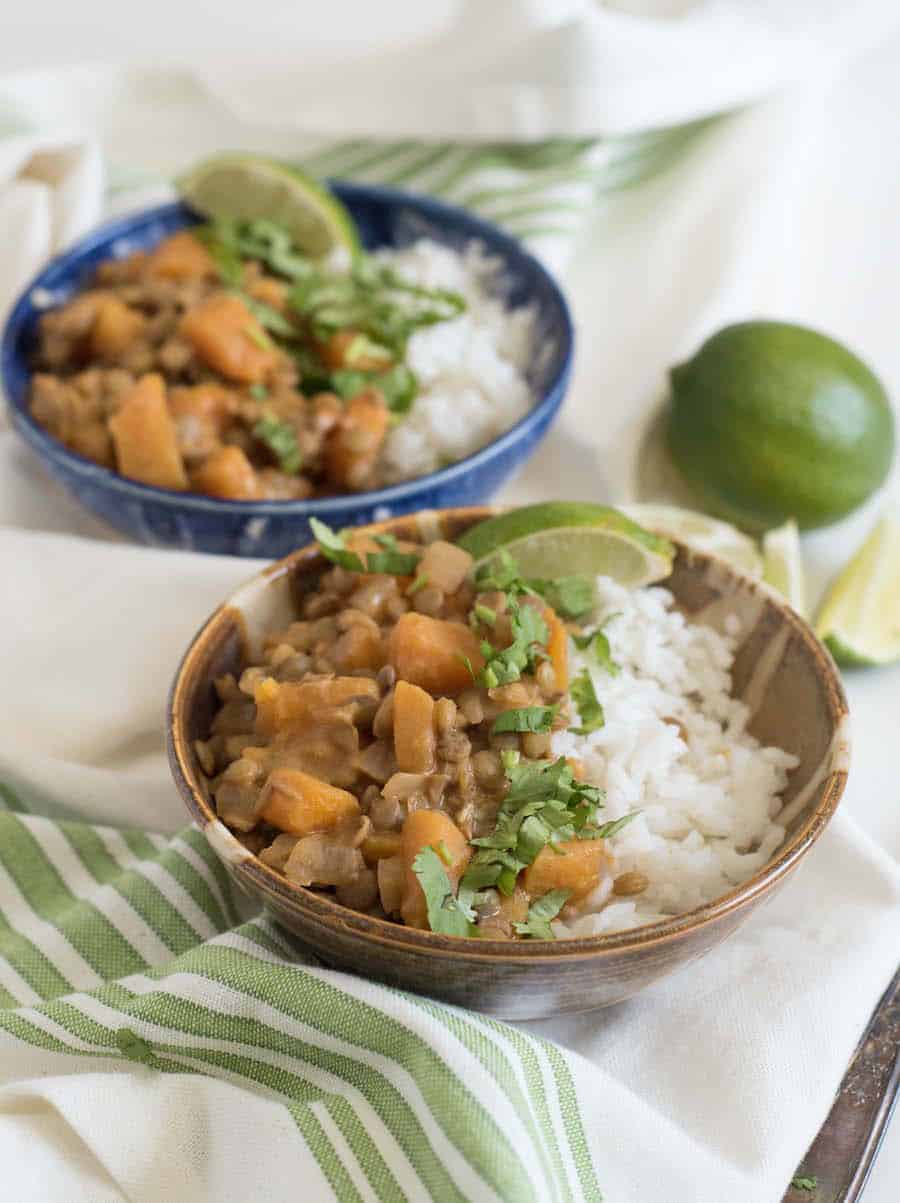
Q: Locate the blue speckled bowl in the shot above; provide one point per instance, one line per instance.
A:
(163, 518)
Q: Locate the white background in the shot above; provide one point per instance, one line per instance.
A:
(790, 211)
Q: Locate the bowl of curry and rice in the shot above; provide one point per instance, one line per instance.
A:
(206, 385)
(521, 794)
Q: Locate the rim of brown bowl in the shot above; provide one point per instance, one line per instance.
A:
(323, 910)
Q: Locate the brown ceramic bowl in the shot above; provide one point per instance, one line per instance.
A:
(781, 671)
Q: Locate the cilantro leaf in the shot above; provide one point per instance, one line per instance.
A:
(258, 392)
(281, 439)
(267, 316)
(584, 695)
(526, 718)
(599, 644)
(504, 665)
(570, 596)
(608, 830)
(332, 546)
(805, 1182)
(544, 805)
(444, 913)
(547, 907)
(390, 559)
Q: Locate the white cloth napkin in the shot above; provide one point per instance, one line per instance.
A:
(710, 1085)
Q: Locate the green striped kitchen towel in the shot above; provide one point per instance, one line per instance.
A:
(123, 952)
(541, 192)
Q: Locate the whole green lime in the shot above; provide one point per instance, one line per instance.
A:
(771, 421)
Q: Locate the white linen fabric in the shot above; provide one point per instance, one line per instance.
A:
(711, 1084)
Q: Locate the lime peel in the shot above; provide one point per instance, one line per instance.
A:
(247, 187)
(561, 538)
(859, 620)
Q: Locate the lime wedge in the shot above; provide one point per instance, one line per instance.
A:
(783, 564)
(249, 187)
(565, 538)
(860, 618)
(701, 532)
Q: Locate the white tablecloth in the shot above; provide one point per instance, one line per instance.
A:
(785, 211)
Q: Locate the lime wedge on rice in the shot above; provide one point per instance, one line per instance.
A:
(248, 187)
(860, 618)
(566, 538)
(783, 564)
(701, 532)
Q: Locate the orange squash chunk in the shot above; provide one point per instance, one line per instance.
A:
(209, 402)
(577, 866)
(558, 648)
(301, 805)
(424, 829)
(116, 325)
(144, 437)
(430, 653)
(286, 703)
(414, 740)
(227, 473)
(229, 339)
(270, 291)
(180, 257)
(354, 442)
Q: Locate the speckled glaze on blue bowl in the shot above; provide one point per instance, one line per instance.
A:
(163, 518)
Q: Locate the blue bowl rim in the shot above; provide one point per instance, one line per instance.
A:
(500, 243)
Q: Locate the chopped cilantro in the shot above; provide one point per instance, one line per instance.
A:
(500, 573)
(333, 546)
(268, 317)
(599, 644)
(542, 910)
(805, 1182)
(259, 337)
(570, 596)
(398, 385)
(504, 665)
(348, 384)
(444, 913)
(281, 440)
(390, 559)
(607, 830)
(587, 703)
(419, 583)
(259, 392)
(484, 614)
(544, 805)
(527, 718)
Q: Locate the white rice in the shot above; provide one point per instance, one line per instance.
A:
(471, 370)
(709, 799)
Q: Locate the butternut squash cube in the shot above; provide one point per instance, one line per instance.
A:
(226, 473)
(116, 326)
(229, 339)
(144, 437)
(353, 443)
(428, 829)
(182, 256)
(432, 653)
(414, 742)
(300, 805)
(578, 865)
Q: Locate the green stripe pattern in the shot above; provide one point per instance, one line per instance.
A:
(539, 191)
(122, 947)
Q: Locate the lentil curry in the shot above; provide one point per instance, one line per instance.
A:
(393, 744)
(226, 363)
